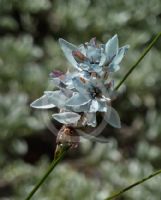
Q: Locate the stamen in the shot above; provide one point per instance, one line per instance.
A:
(78, 55)
(82, 80)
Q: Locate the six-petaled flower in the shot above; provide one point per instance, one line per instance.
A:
(86, 90)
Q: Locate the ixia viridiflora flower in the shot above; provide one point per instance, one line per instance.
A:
(88, 89)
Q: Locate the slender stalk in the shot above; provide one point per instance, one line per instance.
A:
(134, 185)
(139, 60)
(50, 169)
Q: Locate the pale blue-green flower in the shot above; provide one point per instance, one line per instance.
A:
(86, 96)
(93, 57)
(84, 92)
(92, 97)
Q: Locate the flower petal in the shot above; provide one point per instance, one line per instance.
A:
(111, 48)
(94, 106)
(82, 49)
(91, 119)
(42, 103)
(117, 59)
(56, 97)
(93, 53)
(126, 47)
(102, 59)
(67, 92)
(113, 67)
(98, 105)
(58, 82)
(67, 117)
(113, 118)
(77, 99)
(92, 42)
(82, 86)
(67, 48)
(78, 103)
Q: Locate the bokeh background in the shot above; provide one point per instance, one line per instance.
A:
(29, 51)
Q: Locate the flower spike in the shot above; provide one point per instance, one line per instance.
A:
(81, 94)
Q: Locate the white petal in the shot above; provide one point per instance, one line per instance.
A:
(67, 117)
(98, 105)
(102, 105)
(56, 97)
(111, 48)
(42, 103)
(113, 67)
(94, 106)
(102, 60)
(91, 119)
(78, 103)
(77, 100)
(67, 49)
(82, 49)
(82, 87)
(120, 54)
(113, 118)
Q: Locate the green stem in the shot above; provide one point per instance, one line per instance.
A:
(139, 60)
(134, 185)
(51, 167)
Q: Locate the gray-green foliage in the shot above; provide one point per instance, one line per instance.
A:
(29, 51)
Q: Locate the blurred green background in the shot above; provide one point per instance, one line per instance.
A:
(29, 51)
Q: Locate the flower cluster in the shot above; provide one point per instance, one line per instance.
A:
(88, 88)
